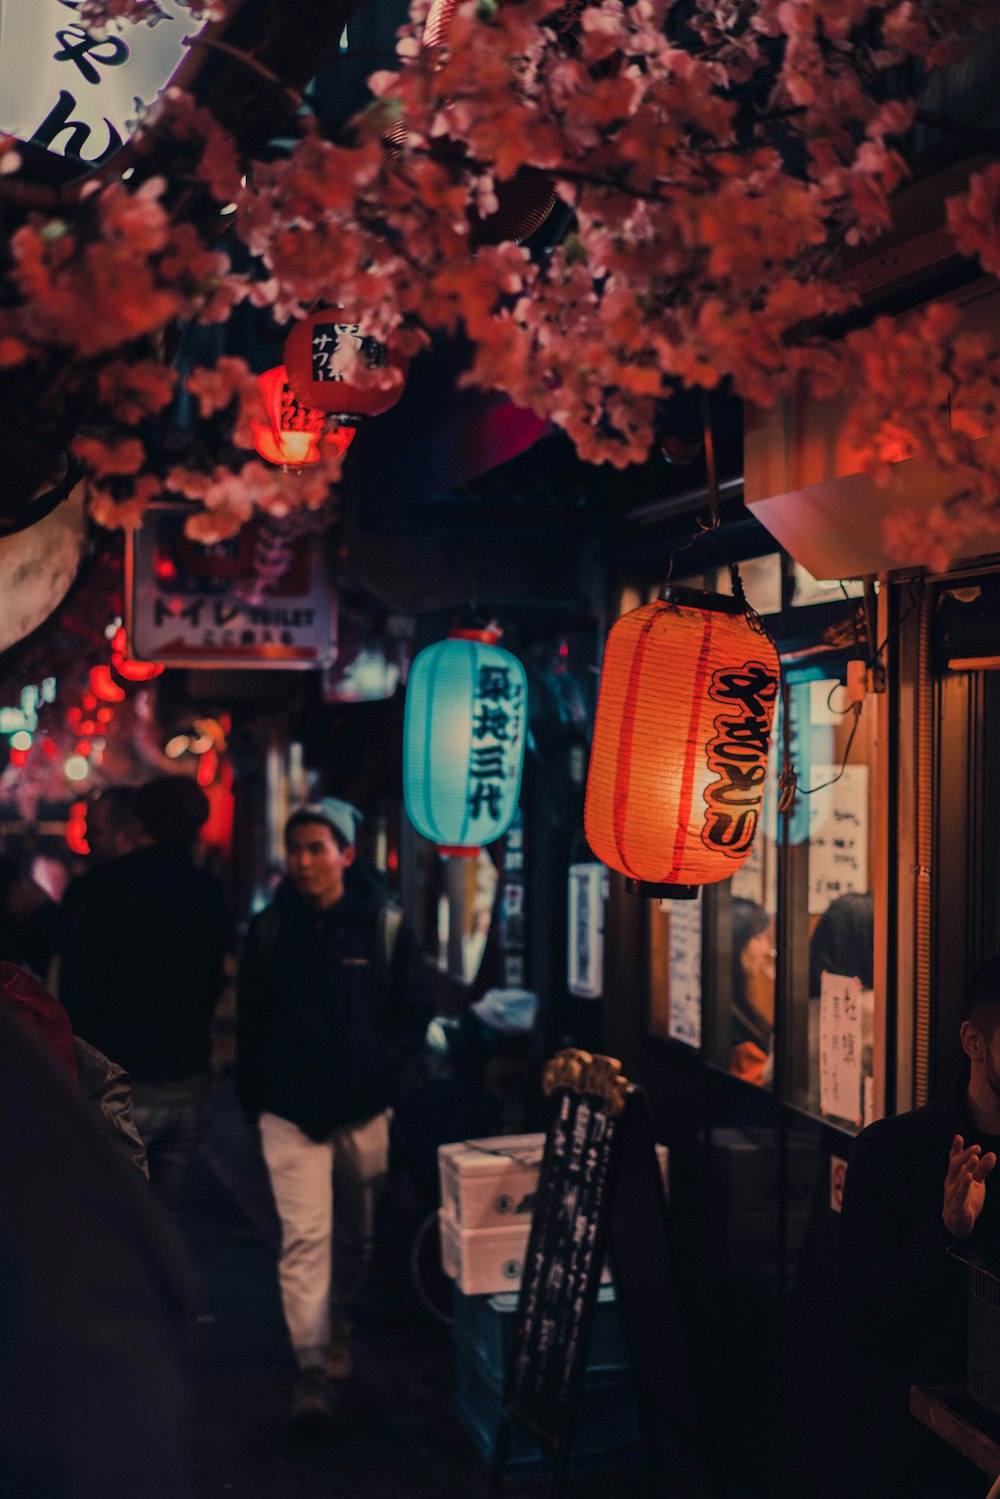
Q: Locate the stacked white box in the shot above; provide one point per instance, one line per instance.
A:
(488, 1190)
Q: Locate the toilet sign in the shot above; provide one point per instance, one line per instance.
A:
(75, 92)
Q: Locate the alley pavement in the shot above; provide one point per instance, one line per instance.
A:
(397, 1435)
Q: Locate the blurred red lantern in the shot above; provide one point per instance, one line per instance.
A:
(76, 829)
(127, 667)
(103, 686)
(679, 757)
(333, 367)
(294, 432)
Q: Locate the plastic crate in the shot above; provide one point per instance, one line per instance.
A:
(485, 1324)
(606, 1434)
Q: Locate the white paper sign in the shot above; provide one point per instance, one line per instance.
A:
(74, 92)
(588, 888)
(840, 1005)
(684, 1022)
(838, 835)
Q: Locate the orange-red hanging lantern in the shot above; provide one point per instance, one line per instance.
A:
(679, 758)
(333, 367)
(293, 434)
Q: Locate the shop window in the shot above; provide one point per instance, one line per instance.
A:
(830, 918)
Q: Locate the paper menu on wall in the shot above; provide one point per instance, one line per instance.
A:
(684, 1016)
(838, 834)
(840, 1008)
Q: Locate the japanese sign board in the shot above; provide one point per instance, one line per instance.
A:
(600, 1190)
(684, 1016)
(77, 93)
(838, 834)
(189, 605)
(588, 892)
(840, 1041)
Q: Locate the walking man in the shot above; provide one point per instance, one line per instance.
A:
(334, 998)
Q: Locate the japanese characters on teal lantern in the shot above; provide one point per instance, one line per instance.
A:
(463, 740)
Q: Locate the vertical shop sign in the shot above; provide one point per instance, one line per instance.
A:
(684, 1014)
(838, 834)
(512, 943)
(588, 892)
(840, 1007)
(79, 93)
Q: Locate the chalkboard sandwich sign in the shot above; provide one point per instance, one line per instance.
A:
(600, 1191)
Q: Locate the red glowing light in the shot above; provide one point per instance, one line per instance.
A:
(74, 715)
(103, 685)
(87, 727)
(135, 671)
(105, 715)
(293, 433)
(19, 757)
(84, 747)
(207, 766)
(76, 829)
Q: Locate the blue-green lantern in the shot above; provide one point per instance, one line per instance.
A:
(463, 740)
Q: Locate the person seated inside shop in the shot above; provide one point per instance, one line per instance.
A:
(752, 993)
(919, 1187)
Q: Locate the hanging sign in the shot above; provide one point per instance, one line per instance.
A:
(684, 1015)
(190, 605)
(588, 891)
(78, 93)
(838, 834)
(840, 1008)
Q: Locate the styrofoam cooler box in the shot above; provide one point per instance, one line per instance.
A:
(483, 1260)
(491, 1183)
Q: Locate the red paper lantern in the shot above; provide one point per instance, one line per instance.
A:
(679, 757)
(293, 433)
(333, 367)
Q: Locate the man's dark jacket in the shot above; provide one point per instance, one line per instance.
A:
(900, 1295)
(324, 1027)
(143, 968)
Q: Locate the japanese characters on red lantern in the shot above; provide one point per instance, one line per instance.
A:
(679, 758)
(333, 367)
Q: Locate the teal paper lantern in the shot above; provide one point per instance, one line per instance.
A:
(463, 740)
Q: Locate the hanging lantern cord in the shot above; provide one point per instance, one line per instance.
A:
(787, 779)
(713, 477)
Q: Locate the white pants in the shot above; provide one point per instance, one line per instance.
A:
(325, 1193)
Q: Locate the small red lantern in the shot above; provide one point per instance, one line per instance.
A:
(293, 432)
(679, 757)
(128, 667)
(333, 367)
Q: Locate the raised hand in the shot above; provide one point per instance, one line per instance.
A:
(965, 1186)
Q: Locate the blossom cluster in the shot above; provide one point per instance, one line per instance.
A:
(709, 166)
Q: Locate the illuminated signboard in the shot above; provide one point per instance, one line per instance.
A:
(75, 92)
(190, 605)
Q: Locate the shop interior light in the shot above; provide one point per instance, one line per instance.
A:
(21, 740)
(76, 768)
(176, 746)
